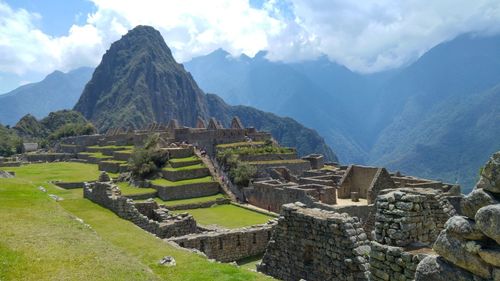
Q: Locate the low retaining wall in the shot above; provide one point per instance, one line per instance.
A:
(268, 157)
(142, 196)
(69, 185)
(185, 163)
(185, 174)
(389, 263)
(112, 167)
(160, 222)
(229, 245)
(180, 152)
(218, 201)
(187, 191)
(48, 157)
(296, 168)
(10, 164)
(121, 156)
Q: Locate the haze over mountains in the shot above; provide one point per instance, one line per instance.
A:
(438, 117)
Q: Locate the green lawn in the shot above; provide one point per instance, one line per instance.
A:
(42, 240)
(165, 182)
(187, 159)
(228, 216)
(191, 167)
(187, 201)
(132, 190)
(114, 147)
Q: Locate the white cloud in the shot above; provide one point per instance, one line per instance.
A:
(366, 36)
(373, 35)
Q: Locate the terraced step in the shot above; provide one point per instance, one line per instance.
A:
(113, 166)
(185, 173)
(184, 189)
(183, 162)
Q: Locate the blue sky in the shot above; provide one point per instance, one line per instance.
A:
(38, 37)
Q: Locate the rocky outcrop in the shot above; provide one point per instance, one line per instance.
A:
(469, 246)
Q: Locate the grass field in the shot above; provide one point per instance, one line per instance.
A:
(98, 155)
(41, 239)
(228, 216)
(127, 189)
(187, 201)
(165, 182)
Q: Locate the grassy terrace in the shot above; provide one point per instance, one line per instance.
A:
(132, 190)
(240, 144)
(185, 168)
(98, 155)
(228, 216)
(186, 201)
(292, 161)
(42, 240)
(165, 182)
(181, 160)
(128, 147)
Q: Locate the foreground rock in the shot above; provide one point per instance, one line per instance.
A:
(469, 247)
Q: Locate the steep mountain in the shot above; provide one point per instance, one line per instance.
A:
(285, 89)
(139, 82)
(435, 117)
(57, 91)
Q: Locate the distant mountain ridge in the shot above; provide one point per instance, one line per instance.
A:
(57, 91)
(411, 119)
(138, 82)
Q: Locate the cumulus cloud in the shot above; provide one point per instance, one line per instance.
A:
(366, 36)
(373, 35)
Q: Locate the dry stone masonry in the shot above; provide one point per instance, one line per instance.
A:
(229, 245)
(469, 247)
(151, 217)
(314, 244)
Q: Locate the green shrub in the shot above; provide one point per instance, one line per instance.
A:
(146, 161)
(10, 142)
(72, 129)
(242, 174)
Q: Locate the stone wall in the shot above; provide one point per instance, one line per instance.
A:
(47, 157)
(161, 223)
(393, 263)
(178, 175)
(229, 245)
(356, 179)
(187, 190)
(297, 167)
(408, 215)
(469, 247)
(268, 157)
(381, 181)
(180, 152)
(314, 244)
(69, 185)
(112, 166)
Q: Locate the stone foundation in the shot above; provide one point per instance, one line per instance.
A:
(187, 191)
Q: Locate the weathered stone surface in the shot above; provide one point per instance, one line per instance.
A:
(490, 255)
(488, 221)
(104, 177)
(475, 200)
(490, 176)
(434, 268)
(464, 227)
(462, 254)
(314, 244)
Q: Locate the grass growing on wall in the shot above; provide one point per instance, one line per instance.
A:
(42, 240)
(165, 182)
(185, 168)
(228, 216)
(128, 189)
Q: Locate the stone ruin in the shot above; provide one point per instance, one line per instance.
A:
(314, 244)
(148, 215)
(408, 221)
(469, 246)
(228, 245)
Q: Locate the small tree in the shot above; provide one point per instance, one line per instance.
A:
(243, 173)
(146, 161)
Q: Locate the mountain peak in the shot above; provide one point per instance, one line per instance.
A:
(139, 82)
